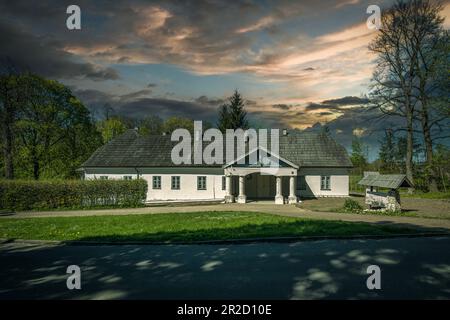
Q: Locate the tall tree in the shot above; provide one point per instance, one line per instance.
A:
(224, 118)
(238, 115)
(10, 100)
(394, 75)
(427, 37)
(49, 117)
(111, 128)
(174, 123)
(357, 157)
(233, 115)
(150, 125)
(387, 153)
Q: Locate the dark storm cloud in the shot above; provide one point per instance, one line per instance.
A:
(366, 123)
(134, 105)
(166, 108)
(204, 100)
(347, 101)
(318, 106)
(136, 94)
(337, 104)
(45, 57)
(281, 106)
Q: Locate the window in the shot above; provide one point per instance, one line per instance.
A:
(301, 183)
(127, 178)
(224, 183)
(103, 177)
(156, 182)
(175, 182)
(201, 183)
(325, 183)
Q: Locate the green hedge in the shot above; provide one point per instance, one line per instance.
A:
(59, 194)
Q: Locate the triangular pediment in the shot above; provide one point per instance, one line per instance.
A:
(260, 158)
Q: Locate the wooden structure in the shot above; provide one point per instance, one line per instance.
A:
(384, 200)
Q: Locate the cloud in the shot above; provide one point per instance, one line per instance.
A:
(281, 106)
(347, 101)
(46, 57)
(136, 94)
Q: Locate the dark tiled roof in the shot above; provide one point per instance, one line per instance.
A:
(305, 149)
(392, 181)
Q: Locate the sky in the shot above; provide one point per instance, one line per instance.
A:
(298, 64)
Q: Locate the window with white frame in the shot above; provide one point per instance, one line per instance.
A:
(325, 183)
(175, 183)
(224, 183)
(201, 183)
(156, 182)
(127, 178)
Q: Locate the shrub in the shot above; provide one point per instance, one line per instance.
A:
(59, 194)
(351, 205)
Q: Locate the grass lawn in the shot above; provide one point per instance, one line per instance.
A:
(411, 207)
(173, 227)
(426, 195)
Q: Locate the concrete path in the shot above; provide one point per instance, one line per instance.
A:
(285, 210)
(415, 268)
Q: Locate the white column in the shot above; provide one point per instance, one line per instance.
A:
(242, 198)
(292, 196)
(229, 198)
(279, 196)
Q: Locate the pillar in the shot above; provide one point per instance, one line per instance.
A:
(242, 198)
(279, 196)
(229, 198)
(292, 195)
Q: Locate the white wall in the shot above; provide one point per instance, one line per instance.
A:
(188, 186)
(339, 182)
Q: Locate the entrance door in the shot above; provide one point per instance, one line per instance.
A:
(260, 186)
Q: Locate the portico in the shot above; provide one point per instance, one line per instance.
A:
(258, 176)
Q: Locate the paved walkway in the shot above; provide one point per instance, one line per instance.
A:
(284, 210)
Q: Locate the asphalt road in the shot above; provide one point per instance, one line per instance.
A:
(414, 268)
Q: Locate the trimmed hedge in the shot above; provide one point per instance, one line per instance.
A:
(22, 195)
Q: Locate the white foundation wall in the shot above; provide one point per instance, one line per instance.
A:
(339, 182)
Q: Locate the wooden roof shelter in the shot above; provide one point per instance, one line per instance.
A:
(391, 181)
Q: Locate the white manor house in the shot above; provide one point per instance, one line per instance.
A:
(309, 165)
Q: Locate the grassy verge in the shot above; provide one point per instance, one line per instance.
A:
(427, 195)
(173, 227)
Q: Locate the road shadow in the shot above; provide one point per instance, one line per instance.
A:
(414, 268)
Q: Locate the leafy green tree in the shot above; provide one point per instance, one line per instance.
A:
(111, 128)
(174, 123)
(48, 119)
(387, 153)
(357, 157)
(150, 125)
(11, 98)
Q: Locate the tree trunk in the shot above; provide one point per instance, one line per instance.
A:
(7, 152)
(429, 148)
(409, 146)
(35, 162)
(7, 133)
